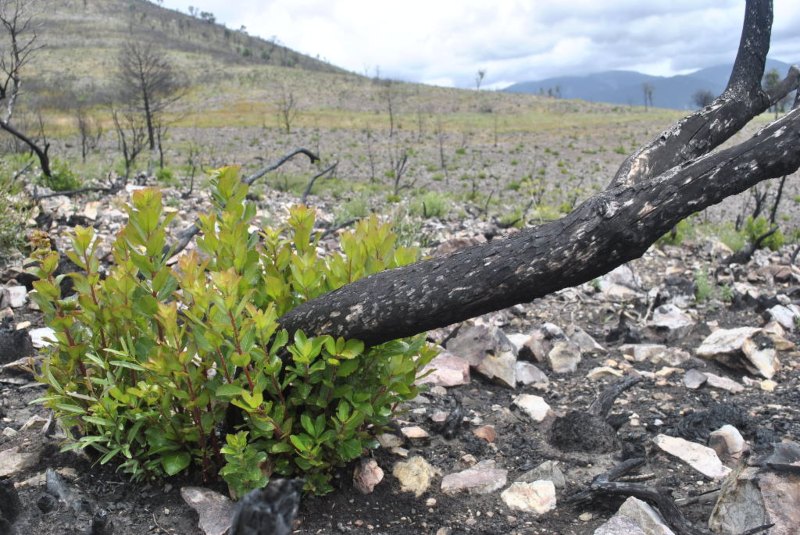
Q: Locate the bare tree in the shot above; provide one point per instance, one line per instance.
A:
(676, 174)
(390, 96)
(149, 84)
(287, 108)
(19, 34)
(479, 76)
(702, 98)
(131, 136)
(89, 129)
(647, 92)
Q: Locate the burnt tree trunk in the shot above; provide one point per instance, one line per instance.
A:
(665, 181)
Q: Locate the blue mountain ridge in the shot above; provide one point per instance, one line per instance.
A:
(625, 87)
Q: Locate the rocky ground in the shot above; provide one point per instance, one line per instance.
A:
(533, 420)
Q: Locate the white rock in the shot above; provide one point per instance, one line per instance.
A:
(694, 379)
(13, 461)
(584, 341)
(42, 337)
(414, 432)
(564, 357)
(765, 361)
(699, 457)
(538, 497)
(728, 443)
(17, 296)
(670, 322)
(634, 517)
(602, 371)
(783, 315)
(534, 406)
(528, 374)
(656, 353)
(725, 341)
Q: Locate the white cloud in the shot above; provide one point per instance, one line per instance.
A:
(447, 41)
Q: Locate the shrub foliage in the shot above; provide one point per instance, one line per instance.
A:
(149, 358)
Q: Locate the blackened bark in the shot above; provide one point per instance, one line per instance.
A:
(604, 232)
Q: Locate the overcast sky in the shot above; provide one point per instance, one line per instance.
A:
(446, 42)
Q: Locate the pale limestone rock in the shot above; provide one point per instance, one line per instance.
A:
(367, 475)
(694, 379)
(725, 341)
(603, 371)
(564, 357)
(528, 374)
(656, 353)
(17, 296)
(538, 497)
(388, 440)
(784, 315)
(765, 361)
(534, 406)
(414, 432)
(634, 517)
(699, 457)
(728, 443)
(42, 337)
(14, 460)
(415, 475)
(213, 509)
(486, 432)
(549, 471)
(671, 323)
(584, 341)
(483, 478)
(446, 370)
(723, 383)
(487, 350)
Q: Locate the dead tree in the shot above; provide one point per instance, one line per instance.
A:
(675, 175)
(19, 32)
(287, 109)
(131, 136)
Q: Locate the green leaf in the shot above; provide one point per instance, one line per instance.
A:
(302, 442)
(349, 449)
(175, 462)
(229, 390)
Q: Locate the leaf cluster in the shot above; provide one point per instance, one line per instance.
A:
(151, 359)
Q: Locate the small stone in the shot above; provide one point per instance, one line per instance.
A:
(213, 509)
(585, 517)
(699, 457)
(388, 440)
(414, 475)
(728, 443)
(42, 337)
(9, 432)
(584, 341)
(17, 296)
(548, 471)
(414, 432)
(694, 379)
(483, 478)
(603, 371)
(670, 322)
(534, 406)
(468, 460)
(564, 357)
(634, 517)
(486, 432)
(538, 497)
(723, 383)
(656, 353)
(367, 475)
(784, 315)
(768, 385)
(430, 502)
(14, 460)
(446, 369)
(528, 374)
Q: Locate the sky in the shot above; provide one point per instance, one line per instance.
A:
(446, 42)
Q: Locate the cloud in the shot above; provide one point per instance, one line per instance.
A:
(447, 41)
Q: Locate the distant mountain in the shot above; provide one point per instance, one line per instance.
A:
(625, 87)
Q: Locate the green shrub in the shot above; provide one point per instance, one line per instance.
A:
(704, 288)
(62, 177)
(431, 204)
(165, 175)
(13, 212)
(677, 235)
(754, 228)
(150, 358)
(355, 208)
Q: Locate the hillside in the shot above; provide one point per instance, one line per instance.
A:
(625, 87)
(82, 39)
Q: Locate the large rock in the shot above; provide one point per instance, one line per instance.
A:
(367, 475)
(699, 457)
(14, 460)
(483, 478)
(537, 497)
(528, 374)
(737, 348)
